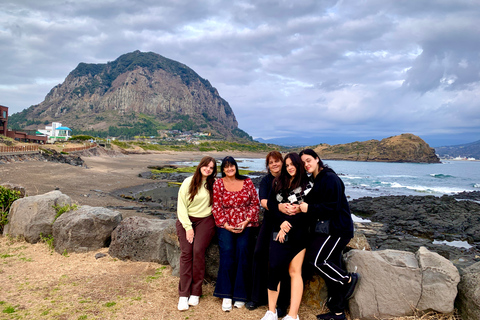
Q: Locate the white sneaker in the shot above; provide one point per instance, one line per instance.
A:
(194, 300)
(239, 304)
(227, 304)
(269, 315)
(290, 318)
(183, 303)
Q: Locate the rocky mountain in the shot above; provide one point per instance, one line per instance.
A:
(468, 150)
(141, 90)
(402, 148)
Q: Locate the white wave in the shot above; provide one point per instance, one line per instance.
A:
(476, 185)
(458, 244)
(351, 177)
(397, 176)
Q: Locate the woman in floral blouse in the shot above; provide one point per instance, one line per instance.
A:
(235, 209)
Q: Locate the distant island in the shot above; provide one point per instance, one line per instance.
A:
(402, 148)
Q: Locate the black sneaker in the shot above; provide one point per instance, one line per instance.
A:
(331, 316)
(352, 285)
(251, 305)
(281, 312)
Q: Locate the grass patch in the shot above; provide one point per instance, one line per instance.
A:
(48, 239)
(62, 209)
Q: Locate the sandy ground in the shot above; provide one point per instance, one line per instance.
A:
(92, 185)
(37, 283)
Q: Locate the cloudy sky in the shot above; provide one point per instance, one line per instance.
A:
(331, 71)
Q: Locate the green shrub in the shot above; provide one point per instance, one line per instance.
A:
(7, 197)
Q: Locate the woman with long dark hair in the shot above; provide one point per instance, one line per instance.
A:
(327, 204)
(195, 229)
(235, 208)
(273, 163)
(288, 242)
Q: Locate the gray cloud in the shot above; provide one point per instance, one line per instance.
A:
(306, 68)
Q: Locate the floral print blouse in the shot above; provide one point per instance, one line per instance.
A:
(235, 207)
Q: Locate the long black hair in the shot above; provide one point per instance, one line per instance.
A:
(312, 153)
(227, 161)
(282, 182)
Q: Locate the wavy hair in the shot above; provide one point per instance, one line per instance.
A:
(197, 179)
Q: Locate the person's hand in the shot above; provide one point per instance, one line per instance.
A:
(190, 234)
(282, 207)
(292, 209)
(232, 228)
(242, 225)
(304, 207)
(281, 236)
(285, 227)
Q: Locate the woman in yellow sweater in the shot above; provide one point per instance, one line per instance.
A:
(195, 230)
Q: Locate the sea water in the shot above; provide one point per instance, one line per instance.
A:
(375, 179)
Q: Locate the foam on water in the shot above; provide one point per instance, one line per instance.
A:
(457, 244)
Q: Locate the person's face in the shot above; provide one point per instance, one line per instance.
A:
(207, 170)
(274, 165)
(229, 170)
(310, 163)
(290, 167)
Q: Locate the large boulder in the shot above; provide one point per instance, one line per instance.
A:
(396, 283)
(32, 216)
(85, 229)
(140, 239)
(468, 300)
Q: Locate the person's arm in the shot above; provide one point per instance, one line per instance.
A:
(253, 207)
(182, 205)
(217, 207)
(331, 191)
(263, 191)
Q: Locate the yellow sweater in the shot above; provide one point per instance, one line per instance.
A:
(198, 208)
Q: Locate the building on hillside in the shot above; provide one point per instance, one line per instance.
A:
(3, 120)
(56, 132)
(23, 136)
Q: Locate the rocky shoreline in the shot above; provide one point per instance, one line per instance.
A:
(392, 222)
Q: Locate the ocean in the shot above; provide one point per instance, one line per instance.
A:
(374, 179)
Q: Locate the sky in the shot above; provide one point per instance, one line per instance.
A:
(304, 70)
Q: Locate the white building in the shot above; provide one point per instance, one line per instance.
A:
(56, 132)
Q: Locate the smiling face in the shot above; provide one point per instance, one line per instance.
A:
(290, 167)
(230, 170)
(207, 170)
(275, 166)
(310, 163)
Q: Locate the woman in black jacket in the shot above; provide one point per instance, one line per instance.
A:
(326, 204)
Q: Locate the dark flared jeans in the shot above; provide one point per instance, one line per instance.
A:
(192, 257)
(234, 272)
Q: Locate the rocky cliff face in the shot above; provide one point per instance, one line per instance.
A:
(402, 148)
(96, 96)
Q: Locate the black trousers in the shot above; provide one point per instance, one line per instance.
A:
(260, 268)
(325, 254)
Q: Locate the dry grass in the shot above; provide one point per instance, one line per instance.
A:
(37, 283)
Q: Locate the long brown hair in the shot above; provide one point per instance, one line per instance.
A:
(197, 179)
(282, 182)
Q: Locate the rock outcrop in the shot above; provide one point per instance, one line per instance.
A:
(402, 148)
(140, 239)
(97, 96)
(33, 216)
(468, 300)
(395, 283)
(85, 229)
